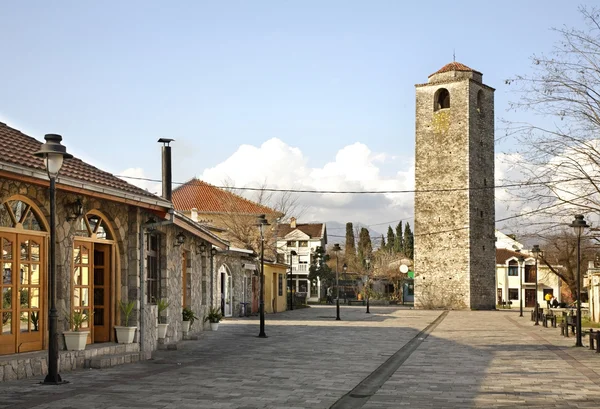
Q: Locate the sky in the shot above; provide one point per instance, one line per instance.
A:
(286, 94)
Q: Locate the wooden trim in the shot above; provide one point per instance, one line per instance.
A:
(86, 192)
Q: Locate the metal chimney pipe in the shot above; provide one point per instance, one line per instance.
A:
(167, 176)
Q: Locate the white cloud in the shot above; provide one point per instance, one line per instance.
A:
(152, 187)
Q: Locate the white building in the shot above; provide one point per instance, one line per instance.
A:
(297, 243)
(516, 275)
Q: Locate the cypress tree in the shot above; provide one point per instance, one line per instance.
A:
(350, 249)
(383, 245)
(391, 238)
(409, 242)
(399, 242)
(365, 247)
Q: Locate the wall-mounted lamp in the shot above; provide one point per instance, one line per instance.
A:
(179, 239)
(201, 248)
(74, 210)
(213, 251)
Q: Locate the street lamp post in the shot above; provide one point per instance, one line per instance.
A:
(522, 267)
(536, 253)
(261, 306)
(579, 225)
(336, 249)
(292, 253)
(53, 154)
(367, 292)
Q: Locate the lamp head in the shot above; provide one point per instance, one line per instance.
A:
(336, 247)
(536, 251)
(579, 225)
(179, 239)
(53, 153)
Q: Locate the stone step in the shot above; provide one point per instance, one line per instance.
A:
(110, 360)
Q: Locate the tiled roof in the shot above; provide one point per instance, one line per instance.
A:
(454, 66)
(17, 148)
(211, 199)
(313, 230)
(504, 254)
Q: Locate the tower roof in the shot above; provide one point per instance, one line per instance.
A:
(454, 66)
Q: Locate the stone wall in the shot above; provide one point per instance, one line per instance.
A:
(454, 256)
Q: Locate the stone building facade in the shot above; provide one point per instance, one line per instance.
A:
(103, 231)
(454, 182)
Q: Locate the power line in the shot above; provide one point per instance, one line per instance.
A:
(356, 192)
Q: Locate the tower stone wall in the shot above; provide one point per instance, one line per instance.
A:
(454, 255)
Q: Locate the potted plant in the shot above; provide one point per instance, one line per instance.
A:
(188, 319)
(162, 305)
(125, 334)
(213, 316)
(75, 340)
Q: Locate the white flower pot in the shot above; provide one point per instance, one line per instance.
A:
(185, 326)
(214, 326)
(162, 330)
(76, 340)
(125, 335)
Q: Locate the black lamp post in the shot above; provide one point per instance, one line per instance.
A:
(261, 306)
(522, 267)
(536, 253)
(579, 225)
(336, 249)
(292, 253)
(368, 289)
(53, 154)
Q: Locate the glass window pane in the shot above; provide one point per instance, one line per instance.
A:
(77, 276)
(35, 274)
(35, 251)
(24, 321)
(24, 274)
(84, 297)
(85, 275)
(85, 255)
(24, 297)
(25, 250)
(6, 298)
(31, 222)
(6, 249)
(35, 298)
(77, 255)
(18, 208)
(6, 323)
(98, 296)
(93, 221)
(5, 219)
(35, 320)
(86, 323)
(7, 273)
(77, 297)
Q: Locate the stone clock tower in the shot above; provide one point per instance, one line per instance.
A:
(454, 256)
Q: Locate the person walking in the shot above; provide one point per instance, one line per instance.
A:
(548, 298)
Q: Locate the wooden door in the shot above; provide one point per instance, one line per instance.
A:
(22, 289)
(529, 297)
(101, 292)
(83, 265)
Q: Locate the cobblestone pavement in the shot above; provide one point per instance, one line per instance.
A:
(392, 358)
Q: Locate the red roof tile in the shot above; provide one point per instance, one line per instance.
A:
(454, 66)
(17, 148)
(211, 199)
(312, 230)
(504, 254)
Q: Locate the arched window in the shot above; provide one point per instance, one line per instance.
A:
(19, 214)
(94, 226)
(442, 99)
(480, 101)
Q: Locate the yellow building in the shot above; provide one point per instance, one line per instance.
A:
(275, 287)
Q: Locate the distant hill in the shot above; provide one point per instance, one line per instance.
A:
(336, 233)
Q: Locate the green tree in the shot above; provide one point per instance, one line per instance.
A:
(350, 249)
(383, 245)
(409, 242)
(391, 238)
(399, 245)
(319, 268)
(365, 247)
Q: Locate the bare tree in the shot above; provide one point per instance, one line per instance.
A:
(560, 151)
